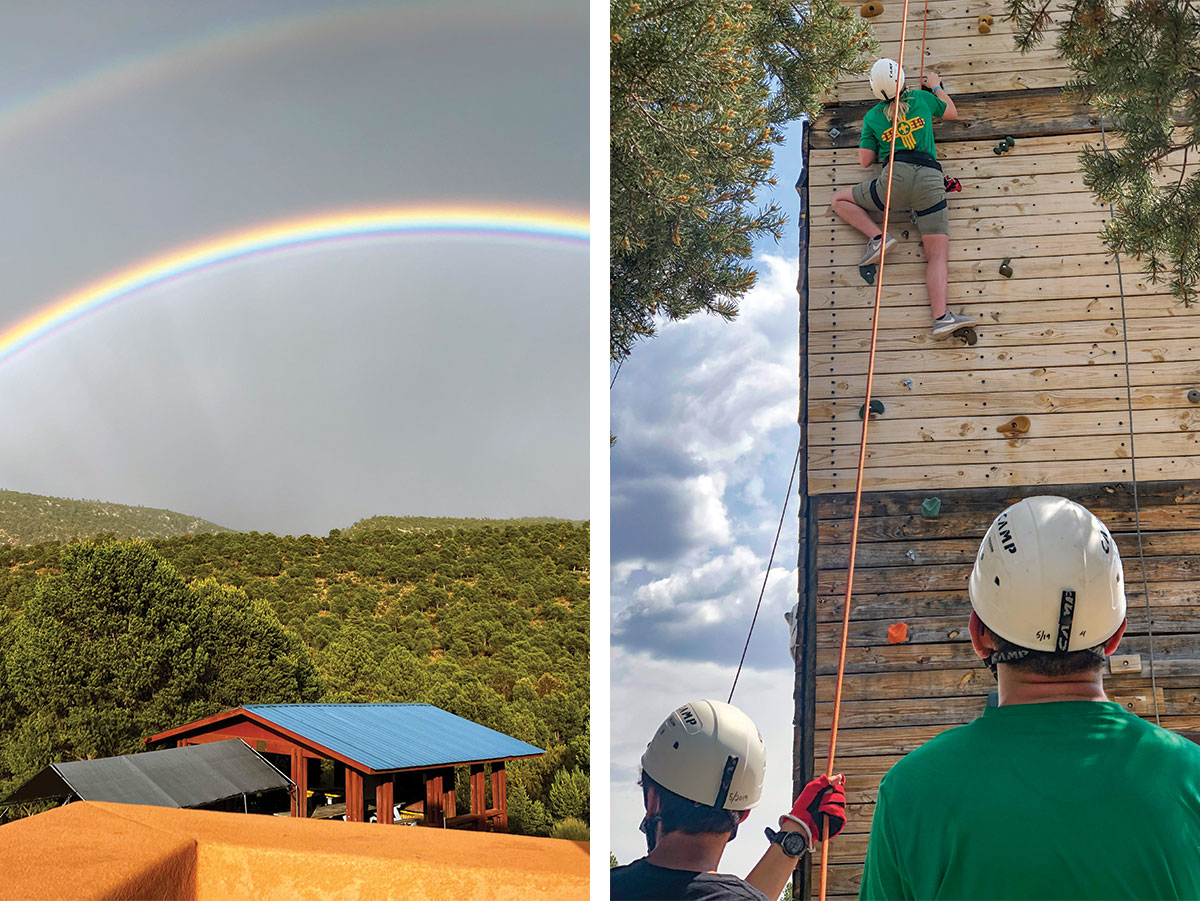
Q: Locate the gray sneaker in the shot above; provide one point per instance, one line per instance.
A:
(951, 323)
(874, 249)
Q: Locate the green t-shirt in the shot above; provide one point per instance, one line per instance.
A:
(916, 131)
(1073, 799)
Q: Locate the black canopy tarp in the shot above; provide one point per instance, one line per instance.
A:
(191, 776)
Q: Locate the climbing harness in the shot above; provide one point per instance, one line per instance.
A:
(1137, 514)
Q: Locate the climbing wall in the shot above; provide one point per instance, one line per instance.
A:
(1037, 406)
(1051, 340)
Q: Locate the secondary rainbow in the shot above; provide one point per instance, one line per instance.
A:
(555, 226)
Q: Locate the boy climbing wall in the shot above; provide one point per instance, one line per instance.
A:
(917, 181)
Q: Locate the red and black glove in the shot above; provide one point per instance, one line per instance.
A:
(822, 801)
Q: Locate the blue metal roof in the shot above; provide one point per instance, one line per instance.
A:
(394, 736)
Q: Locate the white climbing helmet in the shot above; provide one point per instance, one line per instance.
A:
(1048, 577)
(708, 752)
(883, 79)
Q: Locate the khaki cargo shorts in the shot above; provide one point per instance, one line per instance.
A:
(913, 188)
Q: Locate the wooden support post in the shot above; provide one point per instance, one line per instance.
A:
(500, 795)
(804, 690)
(478, 795)
(383, 800)
(354, 796)
(433, 798)
(300, 777)
(450, 803)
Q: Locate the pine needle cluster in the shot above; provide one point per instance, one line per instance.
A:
(699, 90)
(1138, 64)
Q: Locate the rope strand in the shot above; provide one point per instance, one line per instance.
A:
(770, 560)
(862, 458)
(1137, 513)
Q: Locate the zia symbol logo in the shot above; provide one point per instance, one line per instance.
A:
(907, 128)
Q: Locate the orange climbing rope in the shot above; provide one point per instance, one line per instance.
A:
(862, 450)
(924, 26)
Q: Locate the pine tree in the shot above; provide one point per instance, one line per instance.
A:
(1139, 66)
(698, 91)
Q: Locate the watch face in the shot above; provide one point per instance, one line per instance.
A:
(793, 843)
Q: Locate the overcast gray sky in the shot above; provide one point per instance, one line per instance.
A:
(301, 391)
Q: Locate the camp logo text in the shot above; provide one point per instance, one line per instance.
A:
(1006, 536)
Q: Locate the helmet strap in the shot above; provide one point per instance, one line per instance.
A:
(1004, 657)
(731, 763)
(649, 825)
(735, 820)
(1066, 615)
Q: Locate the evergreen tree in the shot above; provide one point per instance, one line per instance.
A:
(698, 90)
(1137, 63)
(570, 795)
(117, 646)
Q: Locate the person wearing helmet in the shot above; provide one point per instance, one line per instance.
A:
(702, 772)
(1057, 792)
(917, 180)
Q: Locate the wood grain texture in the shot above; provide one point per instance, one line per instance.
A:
(898, 696)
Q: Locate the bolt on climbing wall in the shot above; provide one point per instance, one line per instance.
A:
(1025, 260)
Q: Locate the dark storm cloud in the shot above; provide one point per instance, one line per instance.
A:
(299, 391)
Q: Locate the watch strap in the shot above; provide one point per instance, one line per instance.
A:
(778, 838)
(803, 825)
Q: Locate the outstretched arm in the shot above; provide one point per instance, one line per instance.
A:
(822, 800)
(935, 83)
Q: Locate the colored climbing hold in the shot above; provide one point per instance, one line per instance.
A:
(931, 506)
(897, 633)
(870, 10)
(1010, 141)
(876, 408)
(1015, 427)
(868, 272)
(1006, 267)
(1194, 396)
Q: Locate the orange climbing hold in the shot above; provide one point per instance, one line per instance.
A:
(897, 633)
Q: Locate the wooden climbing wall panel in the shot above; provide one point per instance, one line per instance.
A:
(912, 569)
(1051, 349)
(1050, 345)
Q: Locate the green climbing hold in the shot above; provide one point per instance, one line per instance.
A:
(868, 272)
(931, 506)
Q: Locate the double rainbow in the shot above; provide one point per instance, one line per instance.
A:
(552, 226)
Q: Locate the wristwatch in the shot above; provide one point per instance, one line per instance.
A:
(793, 844)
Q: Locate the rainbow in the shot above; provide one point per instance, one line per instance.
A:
(570, 229)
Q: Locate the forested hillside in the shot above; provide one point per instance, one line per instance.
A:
(490, 623)
(32, 518)
(434, 523)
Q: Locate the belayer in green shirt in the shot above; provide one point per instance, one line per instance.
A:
(917, 180)
(1057, 792)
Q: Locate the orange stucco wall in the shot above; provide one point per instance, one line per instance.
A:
(116, 851)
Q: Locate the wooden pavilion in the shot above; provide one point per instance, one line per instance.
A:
(381, 755)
